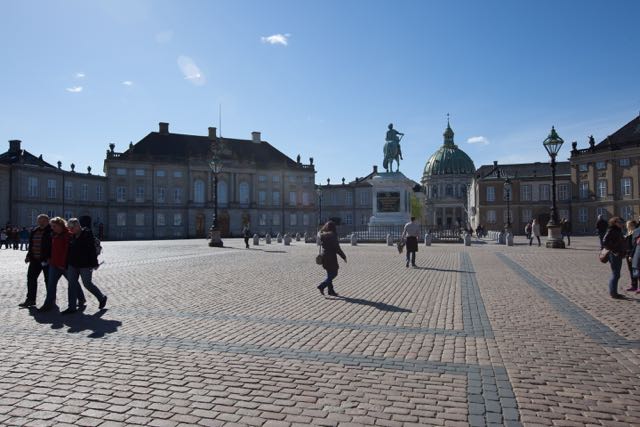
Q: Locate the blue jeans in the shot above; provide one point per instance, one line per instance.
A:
(616, 265)
(55, 274)
(75, 291)
(328, 282)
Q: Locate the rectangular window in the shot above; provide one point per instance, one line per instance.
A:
(177, 220)
(99, 192)
(51, 188)
(527, 215)
(68, 190)
(525, 192)
(583, 167)
(139, 219)
(306, 199)
(160, 219)
(333, 198)
(306, 179)
(160, 173)
(276, 219)
(348, 198)
(563, 213)
(51, 213)
(601, 165)
(139, 172)
(262, 198)
(627, 212)
(563, 191)
(364, 198)
(545, 191)
(262, 178)
(305, 219)
(121, 194)
(292, 198)
(602, 188)
(348, 219)
(32, 186)
(276, 179)
(293, 219)
(584, 189)
(177, 195)
(34, 216)
(491, 216)
(121, 171)
(364, 219)
(603, 212)
(262, 219)
(583, 215)
(177, 174)
(275, 198)
(625, 184)
(139, 194)
(84, 192)
(68, 214)
(121, 219)
(491, 196)
(162, 194)
(292, 179)
(625, 162)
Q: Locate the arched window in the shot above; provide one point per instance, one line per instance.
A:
(243, 190)
(198, 191)
(223, 193)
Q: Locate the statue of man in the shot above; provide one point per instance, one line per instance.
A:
(392, 134)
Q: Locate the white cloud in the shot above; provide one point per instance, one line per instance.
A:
(480, 140)
(191, 71)
(74, 89)
(282, 39)
(164, 36)
(80, 75)
(127, 83)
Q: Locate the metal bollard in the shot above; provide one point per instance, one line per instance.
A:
(267, 239)
(427, 239)
(287, 240)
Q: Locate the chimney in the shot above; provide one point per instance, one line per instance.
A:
(212, 133)
(14, 146)
(375, 168)
(255, 137)
(164, 128)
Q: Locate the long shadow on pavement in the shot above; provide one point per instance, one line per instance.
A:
(443, 269)
(256, 249)
(78, 322)
(379, 305)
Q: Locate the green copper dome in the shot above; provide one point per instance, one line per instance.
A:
(449, 159)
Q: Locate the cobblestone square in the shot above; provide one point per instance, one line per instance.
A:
(480, 335)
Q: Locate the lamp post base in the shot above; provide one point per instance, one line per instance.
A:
(554, 238)
(216, 241)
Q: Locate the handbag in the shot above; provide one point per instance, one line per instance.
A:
(603, 256)
(319, 257)
(400, 246)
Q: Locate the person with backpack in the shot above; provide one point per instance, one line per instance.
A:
(616, 244)
(330, 251)
(82, 260)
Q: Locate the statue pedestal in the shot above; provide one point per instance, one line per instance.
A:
(391, 200)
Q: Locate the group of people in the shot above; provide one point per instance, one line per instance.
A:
(532, 231)
(619, 243)
(60, 248)
(15, 238)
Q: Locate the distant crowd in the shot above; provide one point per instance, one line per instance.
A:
(16, 238)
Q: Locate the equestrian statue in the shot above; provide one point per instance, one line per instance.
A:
(392, 149)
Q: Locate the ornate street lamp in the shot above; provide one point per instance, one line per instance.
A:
(507, 194)
(216, 167)
(319, 193)
(552, 144)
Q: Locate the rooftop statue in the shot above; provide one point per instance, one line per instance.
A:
(392, 149)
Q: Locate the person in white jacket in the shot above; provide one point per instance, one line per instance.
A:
(535, 228)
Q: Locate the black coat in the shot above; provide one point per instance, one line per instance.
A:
(331, 249)
(82, 250)
(614, 241)
(45, 245)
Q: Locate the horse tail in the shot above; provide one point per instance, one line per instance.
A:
(385, 163)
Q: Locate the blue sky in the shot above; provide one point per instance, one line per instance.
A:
(318, 78)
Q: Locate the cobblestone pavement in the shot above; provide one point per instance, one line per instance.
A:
(481, 335)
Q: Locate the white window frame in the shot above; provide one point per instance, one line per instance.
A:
(177, 219)
(121, 219)
(99, 192)
(68, 190)
(625, 162)
(563, 192)
(139, 193)
(52, 188)
(293, 219)
(625, 186)
(583, 215)
(491, 216)
(84, 192)
(544, 192)
(348, 198)
(198, 191)
(177, 195)
(121, 171)
(602, 188)
(162, 195)
(583, 167)
(139, 172)
(275, 219)
(601, 164)
(275, 198)
(525, 192)
(491, 194)
(177, 174)
(161, 220)
(583, 189)
(262, 197)
(293, 198)
(121, 193)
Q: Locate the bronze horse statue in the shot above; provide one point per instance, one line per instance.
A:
(392, 152)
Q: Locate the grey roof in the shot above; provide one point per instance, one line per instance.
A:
(523, 170)
(23, 157)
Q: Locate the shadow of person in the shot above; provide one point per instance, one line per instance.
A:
(258, 249)
(379, 305)
(443, 269)
(78, 322)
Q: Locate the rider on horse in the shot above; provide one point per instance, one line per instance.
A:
(392, 146)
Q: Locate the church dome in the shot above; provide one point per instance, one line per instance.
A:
(449, 159)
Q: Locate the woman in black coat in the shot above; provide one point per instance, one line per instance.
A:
(330, 251)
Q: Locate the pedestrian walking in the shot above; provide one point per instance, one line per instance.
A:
(565, 229)
(38, 254)
(535, 232)
(82, 259)
(410, 236)
(246, 233)
(528, 230)
(330, 251)
(601, 229)
(631, 247)
(3, 239)
(616, 244)
(24, 239)
(15, 238)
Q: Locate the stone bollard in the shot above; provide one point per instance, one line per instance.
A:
(279, 238)
(501, 240)
(256, 240)
(354, 240)
(467, 239)
(427, 239)
(509, 239)
(297, 237)
(287, 240)
(267, 239)
(389, 240)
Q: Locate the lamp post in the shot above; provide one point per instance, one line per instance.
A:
(216, 167)
(319, 193)
(552, 144)
(507, 194)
